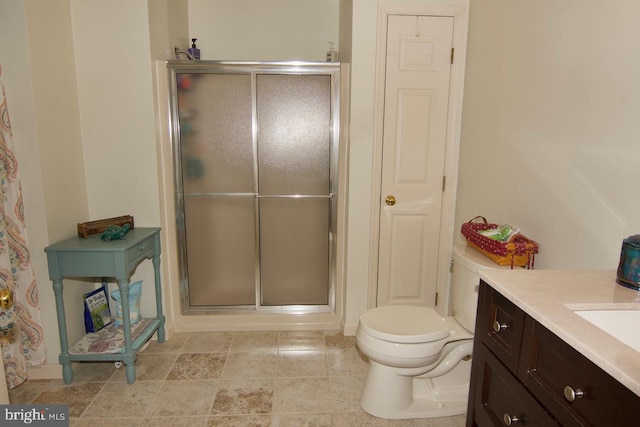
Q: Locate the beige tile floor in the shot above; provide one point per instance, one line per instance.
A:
(302, 378)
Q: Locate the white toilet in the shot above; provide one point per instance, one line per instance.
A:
(419, 361)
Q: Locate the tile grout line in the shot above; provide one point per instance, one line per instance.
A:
(92, 400)
(163, 381)
(219, 380)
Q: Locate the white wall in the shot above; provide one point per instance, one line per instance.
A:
(115, 92)
(51, 176)
(550, 125)
(344, 48)
(53, 79)
(57, 125)
(112, 48)
(168, 27)
(258, 30)
(363, 57)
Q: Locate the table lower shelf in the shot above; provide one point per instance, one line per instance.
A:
(108, 343)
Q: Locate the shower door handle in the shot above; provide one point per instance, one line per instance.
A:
(390, 200)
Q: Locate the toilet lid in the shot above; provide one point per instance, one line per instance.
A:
(404, 324)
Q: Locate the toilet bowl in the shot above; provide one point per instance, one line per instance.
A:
(420, 361)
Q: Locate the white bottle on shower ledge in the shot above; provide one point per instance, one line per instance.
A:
(332, 54)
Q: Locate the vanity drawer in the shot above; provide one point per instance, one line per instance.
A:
(570, 386)
(138, 252)
(500, 399)
(501, 326)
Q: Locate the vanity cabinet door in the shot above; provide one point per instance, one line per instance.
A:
(499, 325)
(570, 386)
(500, 399)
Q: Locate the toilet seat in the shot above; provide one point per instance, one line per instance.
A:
(404, 324)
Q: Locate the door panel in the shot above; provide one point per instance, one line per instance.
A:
(221, 250)
(215, 133)
(294, 134)
(407, 257)
(295, 251)
(415, 111)
(414, 137)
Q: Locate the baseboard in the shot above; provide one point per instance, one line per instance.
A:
(232, 322)
(349, 330)
(51, 371)
(169, 331)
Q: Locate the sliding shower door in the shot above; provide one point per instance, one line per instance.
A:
(294, 159)
(255, 150)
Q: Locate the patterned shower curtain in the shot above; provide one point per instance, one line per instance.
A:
(21, 335)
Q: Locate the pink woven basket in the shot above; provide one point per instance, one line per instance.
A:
(518, 251)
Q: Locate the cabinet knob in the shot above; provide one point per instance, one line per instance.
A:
(509, 419)
(571, 395)
(497, 326)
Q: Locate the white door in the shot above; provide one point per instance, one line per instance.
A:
(418, 64)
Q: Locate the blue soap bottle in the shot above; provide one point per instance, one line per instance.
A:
(194, 51)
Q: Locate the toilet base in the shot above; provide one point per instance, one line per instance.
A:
(389, 395)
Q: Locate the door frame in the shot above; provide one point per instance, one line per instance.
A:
(459, 11)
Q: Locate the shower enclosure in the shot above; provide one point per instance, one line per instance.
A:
(255, 149)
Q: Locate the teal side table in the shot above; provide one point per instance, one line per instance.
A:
(91, 257)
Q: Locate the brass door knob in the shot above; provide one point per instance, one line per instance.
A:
(390, 200)
(6, 298)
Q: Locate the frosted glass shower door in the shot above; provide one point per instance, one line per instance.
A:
(294, 158)
(217, 165)
(255, 154)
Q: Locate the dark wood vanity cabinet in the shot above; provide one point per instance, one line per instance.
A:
(502, 399)
(524, 375)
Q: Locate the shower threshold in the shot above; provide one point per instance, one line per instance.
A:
(251, 310)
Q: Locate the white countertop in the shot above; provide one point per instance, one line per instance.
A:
(546, 296)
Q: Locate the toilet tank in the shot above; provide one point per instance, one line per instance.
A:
(465, 283)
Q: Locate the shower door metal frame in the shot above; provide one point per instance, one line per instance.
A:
(254, 69)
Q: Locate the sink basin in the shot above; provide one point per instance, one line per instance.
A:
(621, 324)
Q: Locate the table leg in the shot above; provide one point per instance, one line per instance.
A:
(67, 372)
(131, 372)
(159, 314)
(123, 286)
(128, 359)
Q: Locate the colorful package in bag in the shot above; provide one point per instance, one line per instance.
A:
(96, 310)
(135, 291)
